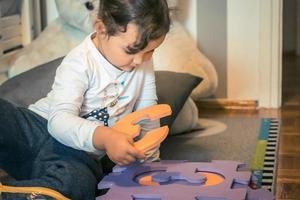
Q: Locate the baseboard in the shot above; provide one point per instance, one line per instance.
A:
(227, 104)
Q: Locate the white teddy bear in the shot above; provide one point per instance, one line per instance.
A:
(178, 52)
(59, 37)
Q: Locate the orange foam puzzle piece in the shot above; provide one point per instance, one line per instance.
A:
(152, 138)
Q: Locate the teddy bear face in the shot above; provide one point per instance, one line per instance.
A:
(80, 14)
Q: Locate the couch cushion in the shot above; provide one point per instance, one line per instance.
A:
(26, 88)
(174, 88)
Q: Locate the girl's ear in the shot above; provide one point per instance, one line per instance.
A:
(100, 27)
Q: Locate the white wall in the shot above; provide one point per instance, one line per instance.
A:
(243, 49)
(228, 33)
(212, 38)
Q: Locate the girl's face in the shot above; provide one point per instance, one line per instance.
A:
(115, 48)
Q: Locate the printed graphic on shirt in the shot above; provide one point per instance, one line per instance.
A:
(123, 97)
(100, 114)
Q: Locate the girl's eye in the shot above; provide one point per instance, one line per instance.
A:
(131, 50)
(127, 52)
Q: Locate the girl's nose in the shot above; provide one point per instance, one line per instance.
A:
(138, 59)
(141, 58)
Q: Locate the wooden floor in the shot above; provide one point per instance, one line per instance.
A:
(288, 170)
(288, 179)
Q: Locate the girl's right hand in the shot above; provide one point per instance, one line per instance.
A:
(118, 146)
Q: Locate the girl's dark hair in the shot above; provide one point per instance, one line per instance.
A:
(150, 16)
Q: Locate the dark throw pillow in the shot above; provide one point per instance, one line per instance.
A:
(174, 88)
(28, 87)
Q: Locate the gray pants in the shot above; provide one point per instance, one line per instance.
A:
(33, 158)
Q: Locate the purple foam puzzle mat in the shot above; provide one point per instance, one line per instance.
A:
(181, 180)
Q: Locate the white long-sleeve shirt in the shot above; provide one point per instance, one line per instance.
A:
(88, 92)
